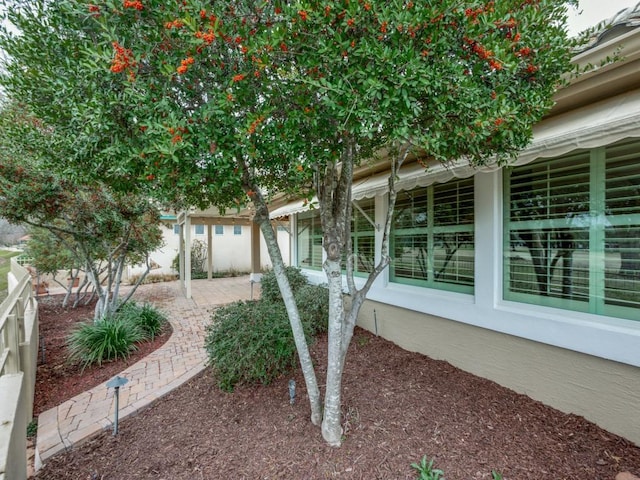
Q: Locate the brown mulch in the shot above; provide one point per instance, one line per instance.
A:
(398, 407)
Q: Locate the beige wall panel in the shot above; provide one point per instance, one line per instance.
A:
(605, 392)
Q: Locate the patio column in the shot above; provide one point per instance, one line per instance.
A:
(209, 252)
(187, 256)
(181, 257)
(256, 270)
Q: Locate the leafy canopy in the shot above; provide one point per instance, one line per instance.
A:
(202, 99)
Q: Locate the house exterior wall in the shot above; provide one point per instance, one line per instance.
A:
(230, 251)
(575, 361)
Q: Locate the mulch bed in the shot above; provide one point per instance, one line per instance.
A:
(398, 407)
(57, 380)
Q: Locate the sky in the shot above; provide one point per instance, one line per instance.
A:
(593, 11)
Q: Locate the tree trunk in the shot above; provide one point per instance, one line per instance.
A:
(262, 218)
(334, 195)
(331, 423)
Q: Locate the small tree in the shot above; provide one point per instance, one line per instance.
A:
(239, 100)
(51, 252)
(89, 226)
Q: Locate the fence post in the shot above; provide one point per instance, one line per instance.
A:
(19, 309)
(13, 360)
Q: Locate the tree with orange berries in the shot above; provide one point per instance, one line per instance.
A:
(232, 101)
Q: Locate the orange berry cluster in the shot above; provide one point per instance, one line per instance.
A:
(184, 65)
(122, 59)
(137, 4)
(207, 37)
(254, 124)
(174, 24)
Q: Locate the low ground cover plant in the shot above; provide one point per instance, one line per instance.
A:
(251, 342)
(427, 471)
(114, 336)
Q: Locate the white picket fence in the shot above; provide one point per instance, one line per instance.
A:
(18, 362)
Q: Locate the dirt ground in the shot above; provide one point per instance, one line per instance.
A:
(398, 407)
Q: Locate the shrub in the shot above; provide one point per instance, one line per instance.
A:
(313, 305)
(148, 318)
(153, 278)
(250, 342)
(198, 260)
(106, 339)
(269, 284)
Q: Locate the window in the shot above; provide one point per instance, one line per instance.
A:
(237, 229)
(432, 237)
(363, 235)
(176, 229)
(199, 229)
(572, 232)
(309, 235)
(219, 229)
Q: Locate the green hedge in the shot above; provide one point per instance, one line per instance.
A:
(252, 342)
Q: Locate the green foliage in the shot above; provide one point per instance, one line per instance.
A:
(426, 470)
(103, 340)
(250, 342)
(269, 285)
(247, 84)
(198, 260)
(313, 306)
(115, 336)
(50, 253)
(149, 319)
(32, 428)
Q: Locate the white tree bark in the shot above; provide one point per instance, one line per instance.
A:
(331, 423)
(334, 195)
(306, 364)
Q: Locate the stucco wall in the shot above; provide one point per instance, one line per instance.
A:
(230, 252)
(603, 391)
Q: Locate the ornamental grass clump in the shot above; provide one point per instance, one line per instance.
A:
(115, 336)
(145, 316)
(104, 340)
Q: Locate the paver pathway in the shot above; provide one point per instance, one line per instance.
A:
(178, 360)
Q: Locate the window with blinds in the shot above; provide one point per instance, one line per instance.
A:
(363, 235)
(432, 237)
(572, 231)
(309, 240)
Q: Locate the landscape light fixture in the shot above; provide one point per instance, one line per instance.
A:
(115, 383)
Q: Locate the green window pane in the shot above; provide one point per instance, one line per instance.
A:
(550, 263)
(432, 239)
(572, 231)
(309, 240)
(622, 226)
(363, 236)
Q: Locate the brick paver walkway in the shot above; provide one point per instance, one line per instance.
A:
(177, 361)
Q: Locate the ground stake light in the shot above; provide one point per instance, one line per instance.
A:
(115, 383)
